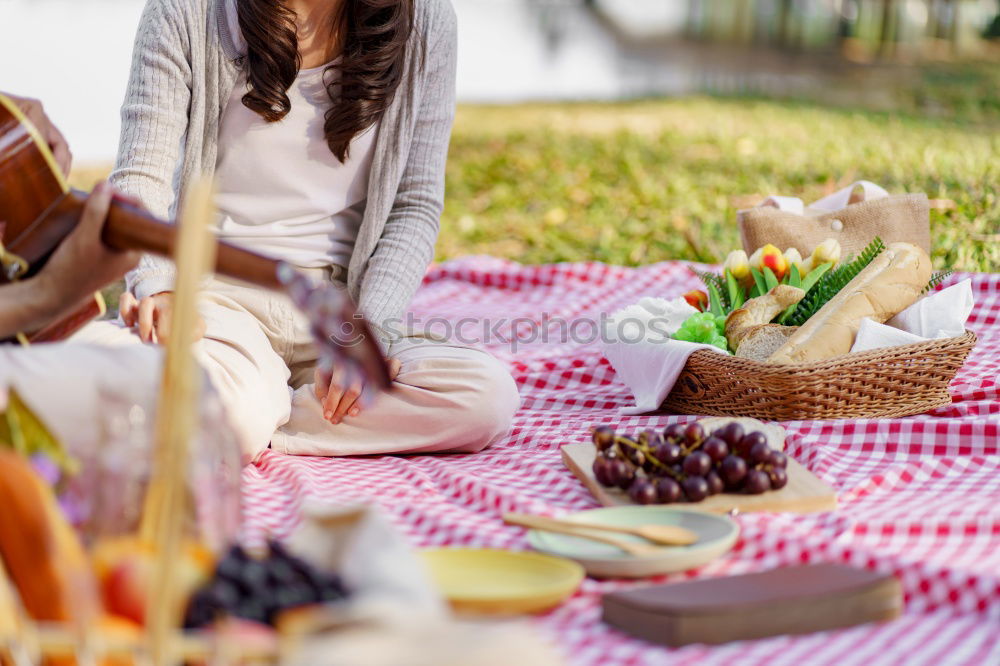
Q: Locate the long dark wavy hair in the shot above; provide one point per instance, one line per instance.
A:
(375, 33)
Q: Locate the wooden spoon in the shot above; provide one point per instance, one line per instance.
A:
(660, 534)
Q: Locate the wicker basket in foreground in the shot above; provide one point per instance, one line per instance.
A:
(897, 381)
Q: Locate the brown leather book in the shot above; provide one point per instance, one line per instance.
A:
(790, 600)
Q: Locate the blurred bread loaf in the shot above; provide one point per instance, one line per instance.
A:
(889, 284)
(762, 341)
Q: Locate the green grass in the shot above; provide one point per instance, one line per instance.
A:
(632, 183)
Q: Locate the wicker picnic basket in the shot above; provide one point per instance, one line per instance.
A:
(882, 383)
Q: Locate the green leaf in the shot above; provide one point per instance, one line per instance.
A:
(832, 281)
(714, 301)
(936, 279)
(770, 279)
(814, 276)
(23, 431)
(811, 279)
(793, 278)
(711, 279)
(758, 280)
(735, 292)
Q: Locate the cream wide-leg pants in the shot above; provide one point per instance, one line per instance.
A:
(258, 355)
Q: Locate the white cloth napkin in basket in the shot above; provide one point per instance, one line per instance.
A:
(638, 345)
(940, 314)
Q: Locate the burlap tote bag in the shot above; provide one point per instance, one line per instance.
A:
(854, 216)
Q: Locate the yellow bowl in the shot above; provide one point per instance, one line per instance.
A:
(485, 581)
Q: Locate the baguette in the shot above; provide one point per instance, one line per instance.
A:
(889, 284)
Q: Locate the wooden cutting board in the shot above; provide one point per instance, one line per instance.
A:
(805, 493)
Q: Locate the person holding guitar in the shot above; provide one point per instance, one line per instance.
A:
(325, 124)
(79, 267)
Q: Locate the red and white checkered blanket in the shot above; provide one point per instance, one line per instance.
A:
(918, 496)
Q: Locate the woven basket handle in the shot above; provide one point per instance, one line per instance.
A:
(833, 202)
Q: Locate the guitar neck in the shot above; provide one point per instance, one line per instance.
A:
(130, 228)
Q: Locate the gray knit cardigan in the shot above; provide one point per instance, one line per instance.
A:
(184, 68)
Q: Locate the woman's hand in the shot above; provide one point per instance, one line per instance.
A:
(33, 111)
(153, 316)
(83, 264)
(339, 400)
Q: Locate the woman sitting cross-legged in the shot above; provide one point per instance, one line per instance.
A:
(326, 125)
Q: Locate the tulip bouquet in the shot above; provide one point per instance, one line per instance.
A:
(746, 277)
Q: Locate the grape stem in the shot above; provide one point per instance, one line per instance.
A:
(619, 439)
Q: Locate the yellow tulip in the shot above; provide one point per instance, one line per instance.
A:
(738, 264)
(827, 252)
(793, 257)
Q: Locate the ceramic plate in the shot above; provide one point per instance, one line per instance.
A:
(716, 535)
(501, 582)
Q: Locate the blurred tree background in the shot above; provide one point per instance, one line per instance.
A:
(797, 97)
(709, 106)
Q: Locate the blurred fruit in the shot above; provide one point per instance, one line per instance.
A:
(258, 589)
(697, 464)
(733, 470)
(731, 434)
(693, 434)
(668, 490)
(626, 474)
(41, 553)
(603, 437)
(601, 469)
(124, 567)
(716, 448)
(757, 482)
(121, 636)
(674, 432)
(642, 491)
(697, 299)
(668, 454)
(778, 477)
(779, 459)
(749, 440)
(695, 488)
(650, 438)
(125, 589)
(760, 453)
(715, 485)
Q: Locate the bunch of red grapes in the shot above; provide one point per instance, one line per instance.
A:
(686, 462)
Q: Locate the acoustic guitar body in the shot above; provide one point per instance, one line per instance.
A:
(38, 211)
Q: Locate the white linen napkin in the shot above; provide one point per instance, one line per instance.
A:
(650, 369)
(941, 314)
(638, 345)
